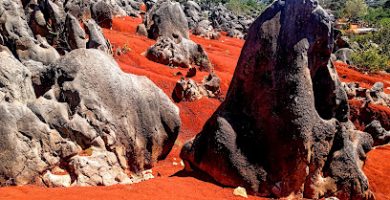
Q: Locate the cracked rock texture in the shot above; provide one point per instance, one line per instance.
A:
(166, 22)
(52, 115)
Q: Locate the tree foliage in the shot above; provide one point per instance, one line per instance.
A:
(244, 6)
(355, 9)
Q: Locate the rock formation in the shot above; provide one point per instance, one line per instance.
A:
(34, 31)
(283, 130)
(204, 29)
(189, 90)
(374, 95)
(69, 115)
(102, 14)
(84, 102)
(165, 22)
(380, 135)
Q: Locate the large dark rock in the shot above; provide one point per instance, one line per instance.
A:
(380, 135)
(166, 19)
(271, 134)
(86, 116)
(102, 14)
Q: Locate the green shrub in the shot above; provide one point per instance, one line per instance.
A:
(370, 60)
(355, 9)
(374, 52)
(239, 7)
(374, 15)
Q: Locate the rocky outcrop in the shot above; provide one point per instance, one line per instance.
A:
(193, 12)
(166, 23)
(344, 55)
(17, 35)
(189, 90)
(102, 14)
(374, 95)
(204, 29)
(168, 52)
(272, 135)
(223, 19)
(83, 115)
(166, 19)
(380, 135)
(41, 31)
(118, 8)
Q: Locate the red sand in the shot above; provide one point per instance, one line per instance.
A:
(223, 54)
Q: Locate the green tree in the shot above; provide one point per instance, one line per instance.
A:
(355, 9)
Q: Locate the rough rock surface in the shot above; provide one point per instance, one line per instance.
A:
(18, 37)
(166, 19)
(189, 90)
(166, 23)
(204, 29)
(84, 115)
(374, 95)
(224, 20)
(82, 8)
(192, 11)
(380, 135)
(43, 30)
(167, 51)
(344, 55)
(271, 135)
(102, 14)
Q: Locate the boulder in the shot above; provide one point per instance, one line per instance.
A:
(186, 90)
(141, 30)
(102, 14)
(380, 135)
(166, 19)
(344, 55)
(192, 10)
(96, 39)
(204, 29)
(212, 84)
(74, 34)
(166, 23)
(235, 34)
(268, 135)
(168, 52)
(189, 90)
(84, 115)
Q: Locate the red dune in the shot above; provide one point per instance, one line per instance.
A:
(169, 182)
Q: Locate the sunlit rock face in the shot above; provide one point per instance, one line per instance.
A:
(283, 130)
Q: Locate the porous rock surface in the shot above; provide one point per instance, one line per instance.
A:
(283, 130)
(43, 30)
(83, 115)
(167, 23)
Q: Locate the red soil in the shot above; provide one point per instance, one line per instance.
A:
(365, 80)
(170, 183)
(377, 169)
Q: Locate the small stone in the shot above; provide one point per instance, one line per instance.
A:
(240, 191)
